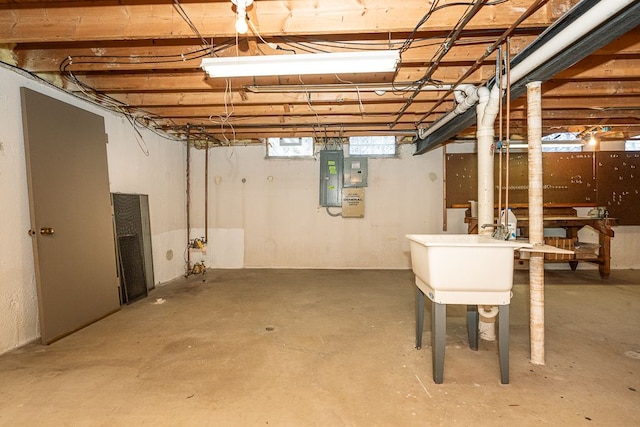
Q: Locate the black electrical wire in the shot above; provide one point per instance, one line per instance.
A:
(435, 8)
(183, 14)
(309, 45)
(455, 32)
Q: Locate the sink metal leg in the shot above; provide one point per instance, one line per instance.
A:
(438, 339)
(472, 326)
(503, 342)
(419, 317)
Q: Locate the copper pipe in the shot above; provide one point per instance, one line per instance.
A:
(188, 199)
(444, 188)
(206, 194)
(506, 172)
(499, 79)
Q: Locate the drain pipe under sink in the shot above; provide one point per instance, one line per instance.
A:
(487, 111)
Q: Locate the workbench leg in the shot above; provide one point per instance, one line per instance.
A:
(605, 255)
(419, 317)
(438, 340)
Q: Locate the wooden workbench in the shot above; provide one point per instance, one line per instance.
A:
(566, 218)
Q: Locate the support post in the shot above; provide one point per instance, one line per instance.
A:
(536, 263)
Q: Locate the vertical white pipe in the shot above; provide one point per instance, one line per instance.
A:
(536, 263)
(485, 134)
(487, 111)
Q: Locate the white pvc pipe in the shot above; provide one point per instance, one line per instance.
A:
(485, 109)
(573, 32)
(487, 322)
(466, 96)
(595, 16)
(486, 112)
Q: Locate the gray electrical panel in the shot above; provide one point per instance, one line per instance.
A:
(331, 162)
(355, 171)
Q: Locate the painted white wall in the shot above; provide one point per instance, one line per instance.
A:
(273, 219)
(161, 175)
(18, 301)
(153, 166)
(275, 215)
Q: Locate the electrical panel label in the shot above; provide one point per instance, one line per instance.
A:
(353, 202)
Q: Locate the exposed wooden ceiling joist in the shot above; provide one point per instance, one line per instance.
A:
(144, 55)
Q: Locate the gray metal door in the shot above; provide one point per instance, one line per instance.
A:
(71, 219)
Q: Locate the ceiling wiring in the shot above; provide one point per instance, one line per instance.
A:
(183, 14)
(454, 34)
(501, 39)
(164, 75)
(134, 115)
(224, 119)
(308, 98)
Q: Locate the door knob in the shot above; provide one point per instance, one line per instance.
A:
(47, 231)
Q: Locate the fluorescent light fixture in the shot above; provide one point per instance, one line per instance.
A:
(376, 61)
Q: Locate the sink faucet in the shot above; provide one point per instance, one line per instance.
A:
(500, 231)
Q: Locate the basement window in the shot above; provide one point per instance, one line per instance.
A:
(632, 144)
(289, 147)
(561, 142)
(372, 146)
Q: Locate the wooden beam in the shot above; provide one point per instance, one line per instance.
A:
(595, 115)
(354, 109)
(250, 98)
(602, 67)
(142, 55)
(560, 88)
(197, 80)
(102, 20)
(585, 102)
(310, 120)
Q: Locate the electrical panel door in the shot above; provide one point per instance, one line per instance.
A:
(355, 171)
(331, 162)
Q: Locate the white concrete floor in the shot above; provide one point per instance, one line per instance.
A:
(330, 348)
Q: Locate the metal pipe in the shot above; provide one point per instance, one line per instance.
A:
(444, 188)
(500, 135)
(188, 200)
(508, 131)
(206, 194)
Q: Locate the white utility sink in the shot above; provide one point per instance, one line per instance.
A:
(464, 268)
